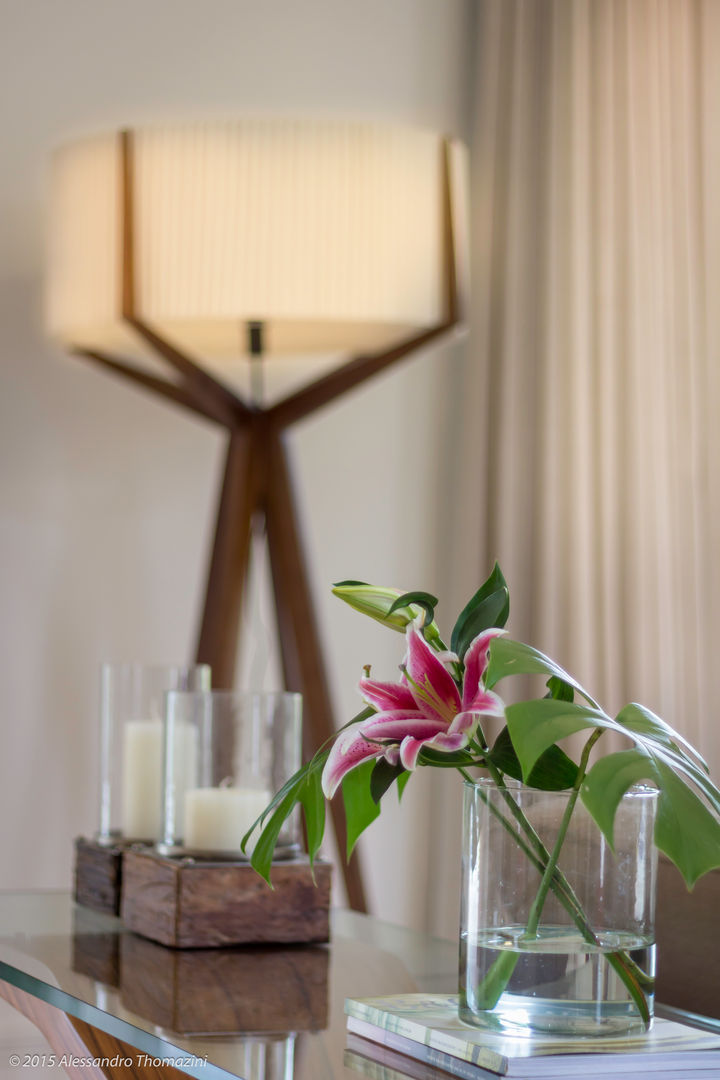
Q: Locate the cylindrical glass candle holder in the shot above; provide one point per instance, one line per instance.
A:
(226, 754)
(132, 707)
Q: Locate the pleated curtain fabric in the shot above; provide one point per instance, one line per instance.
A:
(595, 374)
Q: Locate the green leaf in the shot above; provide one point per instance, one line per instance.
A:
(261, 858)
(509, 657)
(303, 787)
(607, 782)
(291, 785)
(424, 600)
(382, 777)
(360, 807)
(537, 725)
(402, 783)
(642, 721)
(553, 771)
(313, 803)
(504, 757)
(559, 689)
(491, 610)
(658, 738)
(490, 606)
(685, 829)
(680, 763)
(452, 759)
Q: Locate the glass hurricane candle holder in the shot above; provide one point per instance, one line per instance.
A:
(225, 755)
(132, 707)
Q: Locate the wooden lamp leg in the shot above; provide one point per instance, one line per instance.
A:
(299, 638)
(220, 625)
(257, 478)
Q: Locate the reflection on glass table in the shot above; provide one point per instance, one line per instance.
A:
(261, 1013)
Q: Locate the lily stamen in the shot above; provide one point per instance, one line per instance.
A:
(428, 694)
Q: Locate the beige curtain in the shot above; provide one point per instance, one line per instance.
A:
(595, 375)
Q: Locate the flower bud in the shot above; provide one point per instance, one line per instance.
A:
(376, 602)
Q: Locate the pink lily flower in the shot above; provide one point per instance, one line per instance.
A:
(424, 709)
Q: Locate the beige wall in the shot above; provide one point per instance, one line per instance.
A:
(106, 495)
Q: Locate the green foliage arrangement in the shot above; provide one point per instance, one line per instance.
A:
(433, 718)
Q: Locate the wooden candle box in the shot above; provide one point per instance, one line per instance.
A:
(98, 875)
(177, 901)
(214, 991)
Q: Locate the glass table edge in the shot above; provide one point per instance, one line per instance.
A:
(148, 1043)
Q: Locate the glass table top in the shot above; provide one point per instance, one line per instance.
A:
(261, 1013)
(270, 1012)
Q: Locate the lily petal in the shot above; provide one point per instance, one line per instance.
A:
(392, 755)
(393, 725)
(464, 723)
(410, 748)
(343, 758)
(367, 740)
(431, 684)
(385, 695)
(476, 661)
(486, 704)
(447, 741)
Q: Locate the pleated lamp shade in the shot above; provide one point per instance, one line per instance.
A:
(329, 233)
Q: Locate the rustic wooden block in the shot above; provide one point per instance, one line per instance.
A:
(98, 875)
(189, 904)
(221, 991)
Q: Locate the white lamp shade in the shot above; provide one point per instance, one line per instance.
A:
(328, 232)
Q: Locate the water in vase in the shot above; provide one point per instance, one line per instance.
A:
(560, 983)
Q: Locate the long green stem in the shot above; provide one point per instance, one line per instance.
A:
(561, 885)
(539, 901)
(499, 781)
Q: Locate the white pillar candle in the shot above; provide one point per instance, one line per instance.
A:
(216, 819)
(142, 779)
(143, 774)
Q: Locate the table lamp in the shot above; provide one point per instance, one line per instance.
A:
(219, 248)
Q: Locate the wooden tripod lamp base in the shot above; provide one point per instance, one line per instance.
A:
(350, 224)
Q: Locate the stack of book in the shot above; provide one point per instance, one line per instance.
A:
(415, 1035)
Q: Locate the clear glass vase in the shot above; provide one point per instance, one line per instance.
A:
(587, 967)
